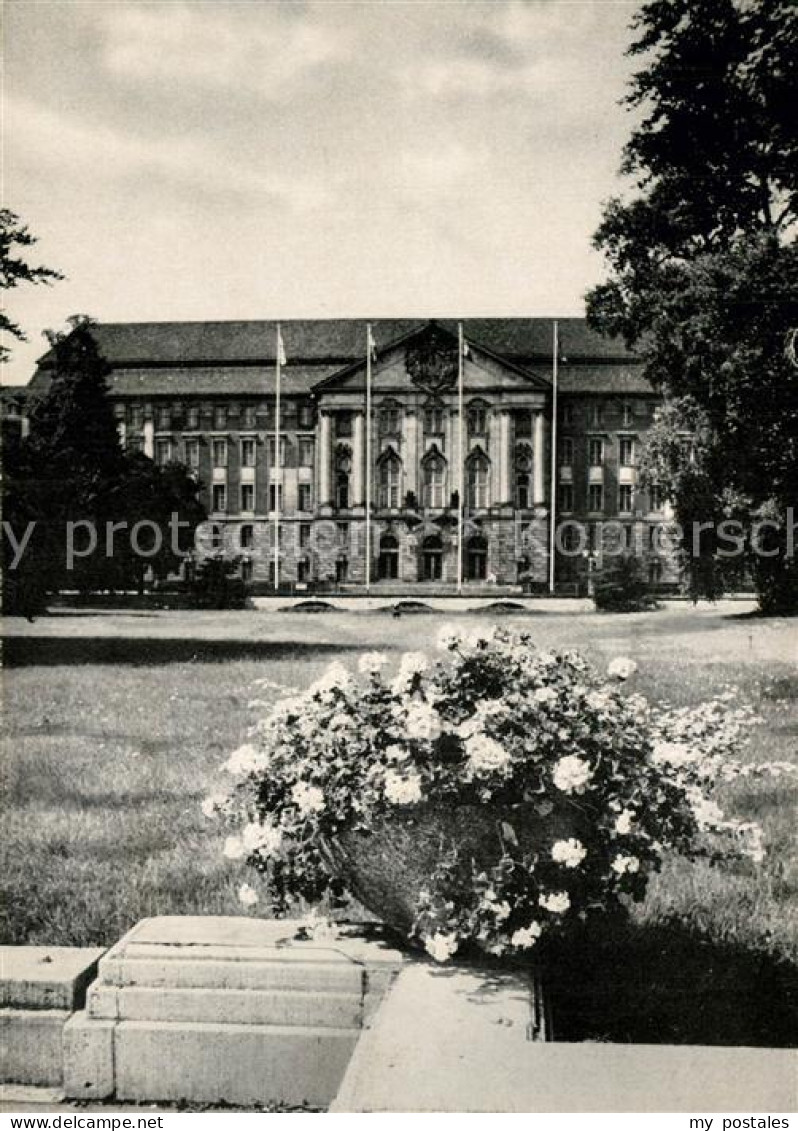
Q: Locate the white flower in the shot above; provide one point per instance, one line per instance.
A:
(571, 774)
(215, 803)
(570, 852)
(485, 754)
(707, 813)
(402, 790)
(449, 636)
(598, 701)
(623, 864)
(556, 901)
(421, 721)
(264, 838)
(526, 937)
(484, 634)
(335, 678)
(545, 695)
(623, 823)
(247, 895)
(307, 798)
(441, 947)
(318, 927)
(672, 754)
(233, 848)
(372, 662)
(396, 753)
(412, 664)
(247, 759)
(622, 667)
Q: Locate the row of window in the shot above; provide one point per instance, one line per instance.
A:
(166, 450)
(596, 450)
(596, 498)
(220, 497)
(191, 417)
(597, 412)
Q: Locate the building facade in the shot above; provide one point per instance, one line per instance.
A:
(205, 394)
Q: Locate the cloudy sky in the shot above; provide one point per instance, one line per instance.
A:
(204, 159)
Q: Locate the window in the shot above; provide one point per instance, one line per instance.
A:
(656, 497)
(627, 414)
(192, 417)
(275, 496)
(567, 415)
(433, 419)
(596, 414)
(390, 476)
(304, 535)
(343, 534)
(523, 424)
(305, 497)
(595, 451)
(388, 560)
(625, 498)
(305, 415)
(654, 572)
(566, 451)
(389, 420)
(219, 449)
(220, 416)
(247, 497)
(163, 420)
(627, 446)
(566, 497)
(248, 416)
(476, 559)
(163, 452)
(341, 570)
(135, 444)
(432, 558)
(248, 451)
(217, 541)
(272, 449)
(434, 482)
(137, 417)
(302, 570)
(192, 454)
(523, 478)
(247, 536)
(343, 424)
(477, 420)
(595, 498)
(342, 490)
(219, 497)
(246, 570)
(477, 482)
(306, 451)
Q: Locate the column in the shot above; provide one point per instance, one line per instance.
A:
(539, 447)
(358, 482)
(505, 457)
(409, 451)
(325, 451)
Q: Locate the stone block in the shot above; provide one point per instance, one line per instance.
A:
(88, 1058)
(231, 1064)
(227, 1006)
(46, 977)
(31, 1045)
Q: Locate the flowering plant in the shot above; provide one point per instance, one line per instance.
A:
(529, 790)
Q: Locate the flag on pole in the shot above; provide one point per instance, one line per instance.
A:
(371, 344)
(280, 348)
(466, 349)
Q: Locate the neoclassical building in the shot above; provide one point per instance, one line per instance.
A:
(204, 393)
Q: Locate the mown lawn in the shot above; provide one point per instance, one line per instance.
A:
(116, 723)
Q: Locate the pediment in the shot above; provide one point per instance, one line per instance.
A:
(424, 363)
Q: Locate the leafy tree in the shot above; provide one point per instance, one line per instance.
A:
(14, 269)
(704, 269)
(71, 469)
(621, 588)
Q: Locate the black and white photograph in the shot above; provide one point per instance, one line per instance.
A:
(399, 465)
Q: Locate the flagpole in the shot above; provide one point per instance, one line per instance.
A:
(277, 461)
(555, 358)
(368, 455)
(460, 457)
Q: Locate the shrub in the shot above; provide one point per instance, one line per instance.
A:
(621, 588)
(218, 585)
(487, 799)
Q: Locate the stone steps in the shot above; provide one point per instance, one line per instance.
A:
(224, 1011)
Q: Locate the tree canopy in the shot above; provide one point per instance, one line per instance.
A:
(15, 237)
(703, 258)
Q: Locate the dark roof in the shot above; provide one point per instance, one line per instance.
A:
(205, 380)
(612, 378)
(334, 339)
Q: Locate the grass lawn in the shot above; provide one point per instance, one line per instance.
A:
(116, 723)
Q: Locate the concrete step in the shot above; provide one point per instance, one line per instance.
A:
(228, 1006)
(30, 1045)
(202, 1062)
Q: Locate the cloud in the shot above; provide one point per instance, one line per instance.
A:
(102, 152)
(263, 49)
